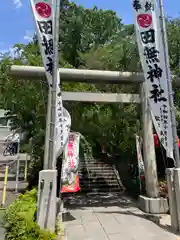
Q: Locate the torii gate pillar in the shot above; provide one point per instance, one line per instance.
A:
(151, 203)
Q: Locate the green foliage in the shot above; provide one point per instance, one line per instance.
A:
(27, 100)
(83, 29)
(19, 219)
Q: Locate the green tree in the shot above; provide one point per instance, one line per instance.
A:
(82, 29)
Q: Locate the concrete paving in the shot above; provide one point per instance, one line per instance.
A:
(2, 233)
(121, 221)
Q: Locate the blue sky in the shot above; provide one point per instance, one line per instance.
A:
(17, 24)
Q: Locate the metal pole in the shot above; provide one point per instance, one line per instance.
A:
(17, 169)
(46, 147)
(52, 133)
(5, 187)
(26, 168)
(168, 73)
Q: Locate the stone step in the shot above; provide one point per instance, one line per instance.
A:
(3, 167)
(11, 185)
(94, 167)
(98, 178)
(92, 171)
(13, 172)
(95, 199)
(11, 162)
(11, 177)
(91, 178)
(95, 164)
(102, 189)
(22, 157)
(99, 185)
(98, 172)
(10, 197)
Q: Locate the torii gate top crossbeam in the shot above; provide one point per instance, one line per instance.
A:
(80, 75)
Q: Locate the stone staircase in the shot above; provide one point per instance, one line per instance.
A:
(98, 175)
(100, 185)
(11, 162)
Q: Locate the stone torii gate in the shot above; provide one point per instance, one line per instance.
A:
(151, 202)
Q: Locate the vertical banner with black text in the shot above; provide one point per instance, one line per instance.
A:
(44, 15)
(63, 121)
(151, 51)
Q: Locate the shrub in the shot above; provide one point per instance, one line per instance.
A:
(20, 221)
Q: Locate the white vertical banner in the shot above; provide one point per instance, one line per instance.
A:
(151, 51)
(44, 15)
(63, 122)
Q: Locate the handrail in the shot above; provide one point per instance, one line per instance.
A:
(9, 163)
(117, 176)
(13, 161)
(8, 166)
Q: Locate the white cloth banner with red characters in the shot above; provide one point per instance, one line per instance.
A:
(151, 51)
(70, 178)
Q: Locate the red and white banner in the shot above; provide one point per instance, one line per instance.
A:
(70, 178)
(140, 158)
(152, 56)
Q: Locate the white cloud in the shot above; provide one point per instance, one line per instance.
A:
(17, 3)
(11, 52)
(29, 35)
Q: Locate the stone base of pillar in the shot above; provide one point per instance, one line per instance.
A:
(177, 194)
(153, 205)
(46, 206)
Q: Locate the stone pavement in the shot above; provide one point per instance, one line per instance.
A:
(123, 221)
(2, 233)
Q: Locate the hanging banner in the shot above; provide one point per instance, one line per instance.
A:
(63, 121)
(70, 178)
(44, 14)
(140, 158)
(151, 51)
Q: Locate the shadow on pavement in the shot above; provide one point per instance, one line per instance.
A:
(81, 201)
(124, 205)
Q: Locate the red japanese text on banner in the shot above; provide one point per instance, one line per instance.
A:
(151, 51)
(70, 178)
